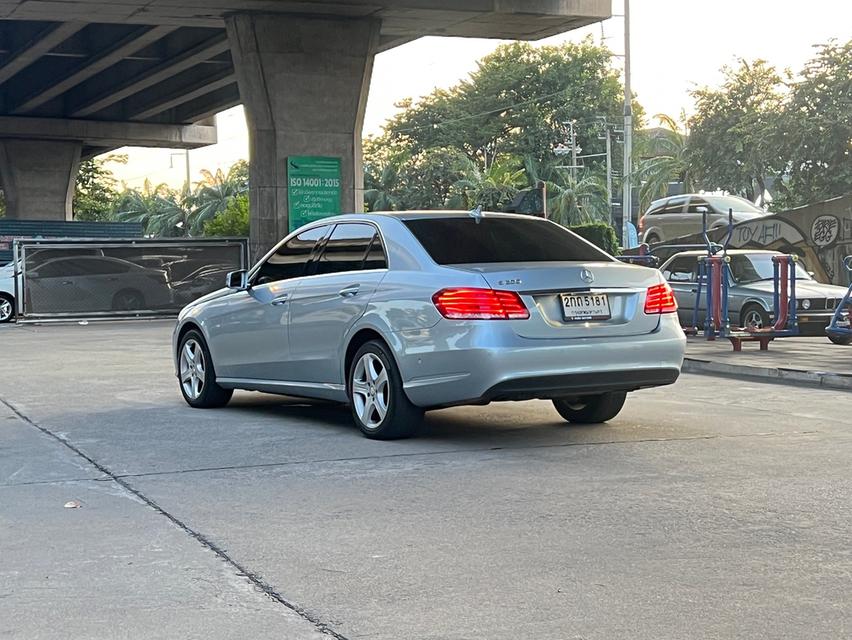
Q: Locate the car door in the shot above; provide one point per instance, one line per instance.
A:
(54, 287)
(695, 215)
(681, 275)
(247, 330)
(327, 303)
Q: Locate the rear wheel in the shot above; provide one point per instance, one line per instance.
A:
(7, 308)
(591, 409)
(844, 340)
(652, 238)
(128, 300)
(197, 377)
(379, 405)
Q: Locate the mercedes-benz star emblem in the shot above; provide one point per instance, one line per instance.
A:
(587, 276)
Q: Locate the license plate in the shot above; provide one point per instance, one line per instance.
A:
(585, 306)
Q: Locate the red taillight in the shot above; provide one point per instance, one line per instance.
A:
(660, 299)
(480, 304)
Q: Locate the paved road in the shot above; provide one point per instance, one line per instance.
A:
(710, 509)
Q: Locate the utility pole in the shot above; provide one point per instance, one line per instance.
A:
(573, 152)
(609, 172)
(626, 208)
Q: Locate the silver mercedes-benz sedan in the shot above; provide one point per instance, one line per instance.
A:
(397, 313)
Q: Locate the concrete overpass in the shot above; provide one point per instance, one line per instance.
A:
(81, 77)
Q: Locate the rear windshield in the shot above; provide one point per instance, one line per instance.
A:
(466, 241)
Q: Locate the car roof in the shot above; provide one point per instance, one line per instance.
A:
(423, 213)
(730, 252)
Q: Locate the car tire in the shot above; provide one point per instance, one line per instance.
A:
(652, 238)
(128, 300)
(377, 399)
(7, 308)
(756, 315)
(591, 409)
(841, 340)
(196, 375)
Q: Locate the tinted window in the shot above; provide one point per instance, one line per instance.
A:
(376, 255)
(681, 269)
(100, 266)
(466, 240)
(346, 248)
(674, 206)
(290, 258)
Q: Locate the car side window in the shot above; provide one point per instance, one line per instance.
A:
(346, 249)
(681, 270)
(290, 259)
(697, 205)
(675, 206)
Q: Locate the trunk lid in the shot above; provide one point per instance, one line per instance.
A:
(541, 283)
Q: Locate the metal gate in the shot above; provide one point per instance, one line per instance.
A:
(77, 279)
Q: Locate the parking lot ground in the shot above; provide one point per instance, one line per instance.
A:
(713, 508)
(798, 360)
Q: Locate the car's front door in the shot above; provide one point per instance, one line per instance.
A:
(328, 303)
(247, 330)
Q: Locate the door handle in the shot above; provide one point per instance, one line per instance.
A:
(349, 291)
(67, 282)
(282, 299)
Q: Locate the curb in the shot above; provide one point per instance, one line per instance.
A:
(795, 377)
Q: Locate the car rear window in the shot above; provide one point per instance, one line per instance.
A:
(470, 240)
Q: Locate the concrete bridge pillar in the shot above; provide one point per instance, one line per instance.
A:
(38, 177)
(304, 83)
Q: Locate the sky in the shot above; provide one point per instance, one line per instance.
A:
(676, 46)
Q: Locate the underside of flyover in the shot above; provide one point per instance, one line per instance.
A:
(81, 77)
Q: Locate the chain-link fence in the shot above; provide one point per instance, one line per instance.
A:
(69, 279)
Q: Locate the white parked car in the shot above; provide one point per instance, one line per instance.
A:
(7, 292)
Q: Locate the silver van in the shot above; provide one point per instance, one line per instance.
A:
(678, 216)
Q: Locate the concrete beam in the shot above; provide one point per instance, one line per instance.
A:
(38, 177)
(35, 49)
(109, 134)
(204, 51)
(201, 87)
(304, 84)
(138, 40)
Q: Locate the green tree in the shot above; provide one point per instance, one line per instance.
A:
(233, 221)
(664, 158)
(515, 104)
(215, 192)
(730, 140)
(96, 191)
(814, 135)
(162, 210)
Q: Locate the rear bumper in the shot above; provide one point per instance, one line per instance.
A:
(486, 361)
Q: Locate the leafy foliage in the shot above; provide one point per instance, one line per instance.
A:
(814, 136)
(215, 192)
(161, 209)
(233, 221)
(599, 234)
(731, 132)
(96, 191)
(665, 159)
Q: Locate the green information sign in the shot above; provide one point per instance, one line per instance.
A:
(313, 189)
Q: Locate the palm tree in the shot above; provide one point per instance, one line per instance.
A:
(214, 192)
(490, 189)
(379, 194)
(160, 209)
(667, 160)
(570, 200)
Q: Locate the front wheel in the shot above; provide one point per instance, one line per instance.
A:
(755, 317)
(591, 409)
(843, 340)
(379, 405)
(196, 375)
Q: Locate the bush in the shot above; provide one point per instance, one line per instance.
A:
(233, 221)
(599, 234)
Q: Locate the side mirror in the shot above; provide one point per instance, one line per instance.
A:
(237, 280)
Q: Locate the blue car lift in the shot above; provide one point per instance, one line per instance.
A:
(839, 329)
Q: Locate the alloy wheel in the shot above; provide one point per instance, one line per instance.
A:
(753, 319)
(5, 309)
(370, 390)
(192, 369)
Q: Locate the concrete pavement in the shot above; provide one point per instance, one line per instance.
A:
(712, 509)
